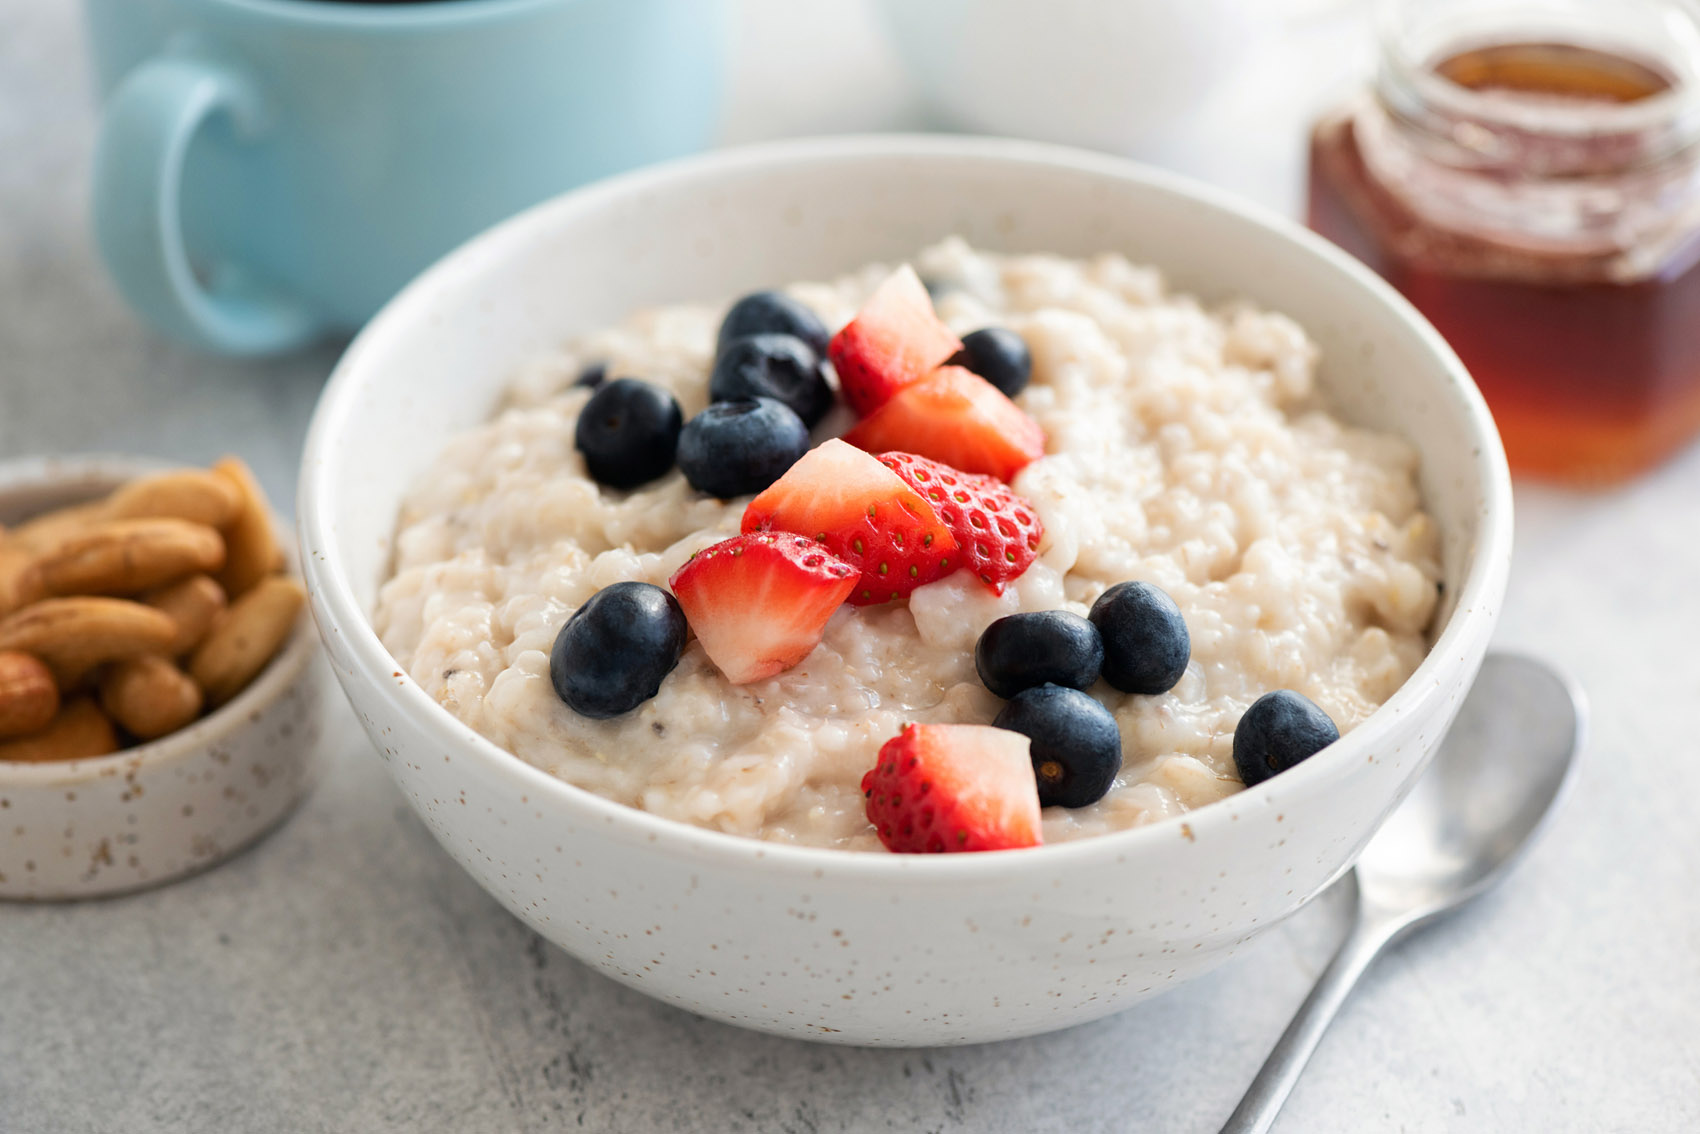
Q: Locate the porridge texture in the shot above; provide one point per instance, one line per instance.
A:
(1186, 447)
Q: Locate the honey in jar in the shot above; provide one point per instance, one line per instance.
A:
(1528, 175)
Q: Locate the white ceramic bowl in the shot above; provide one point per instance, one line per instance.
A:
(1084, 72)
(172, 806)
(865, 948)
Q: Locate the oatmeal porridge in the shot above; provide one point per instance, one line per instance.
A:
(1184, 447)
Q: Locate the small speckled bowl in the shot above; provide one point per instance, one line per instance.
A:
(158, 811)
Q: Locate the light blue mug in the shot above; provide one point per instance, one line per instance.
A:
(270, 171)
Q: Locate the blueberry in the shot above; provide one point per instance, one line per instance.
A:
(628, 431)
(772, 312)
(998, 355)
(1146, 646)
(1280, 729)
(592, 376)
(612, 653)
(1076, 746)
(781, 367)
(1043, 647)
(740, 447)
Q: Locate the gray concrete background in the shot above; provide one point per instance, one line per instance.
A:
(346, 976)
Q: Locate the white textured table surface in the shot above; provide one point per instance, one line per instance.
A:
(345, 975)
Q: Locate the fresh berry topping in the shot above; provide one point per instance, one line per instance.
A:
(943, 787)
(997, 532)
(1077, 748)
(1043, 647)
(998, 355)
(958, 418)
(759, 603)
(772, 312)
(781, 367)
(611, 655)
(592, 376)
(1280, 729)
(736, 448)
(1146, 645)
(863, 513)
(628, 432)
(895, 339)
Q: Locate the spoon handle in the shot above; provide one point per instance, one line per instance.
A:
(1275, 1080)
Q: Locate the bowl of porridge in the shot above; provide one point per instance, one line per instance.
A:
(1055, 501)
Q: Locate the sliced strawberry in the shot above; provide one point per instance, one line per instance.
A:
(997, 532)
(865, 515)
(943, 787)
(895, 339)
(758, 603)
(955, 416)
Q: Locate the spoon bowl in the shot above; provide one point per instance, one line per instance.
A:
(1501, 770)
(1508, 759)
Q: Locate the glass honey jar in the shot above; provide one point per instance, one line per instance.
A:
(1527, 173)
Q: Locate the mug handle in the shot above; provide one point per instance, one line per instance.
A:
(145, 131)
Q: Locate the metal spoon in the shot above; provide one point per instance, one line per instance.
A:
(1507, 760)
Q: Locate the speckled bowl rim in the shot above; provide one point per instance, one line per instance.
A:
(227, 720)
(339, 613)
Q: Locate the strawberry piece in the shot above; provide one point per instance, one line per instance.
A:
(943, 787)
(955, 416)
(997, 532)
(758, 603)
(865, 515)
(895, 339)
